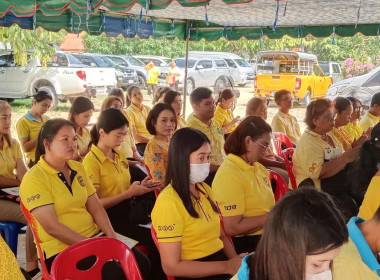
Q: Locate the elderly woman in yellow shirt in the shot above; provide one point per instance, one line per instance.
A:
(161, 123)
(174, 99)
(343, 109)
(319, 159)
(242, 186)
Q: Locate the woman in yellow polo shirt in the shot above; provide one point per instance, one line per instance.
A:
(29, 126)
(319, 158)
(174, 99)
(59, 194)
(80, 114)
(12, 171)
(223, 112)
(242, 186)
(109, 172)
(137, 113)
(343, 109)
(161, 123)
(185, 216)
(353, 129)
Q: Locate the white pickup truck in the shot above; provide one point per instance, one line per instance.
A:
(64, 79)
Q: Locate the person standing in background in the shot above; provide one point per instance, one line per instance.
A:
(152, 81)
(173, 74)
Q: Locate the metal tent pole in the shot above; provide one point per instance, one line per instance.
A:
(186, 65)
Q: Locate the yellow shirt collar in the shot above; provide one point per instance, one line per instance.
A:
(5, 143)
(100, 155)
(46, 167)
(372, 117)
(241, 163)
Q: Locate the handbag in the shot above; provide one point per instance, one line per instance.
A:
(170, 80)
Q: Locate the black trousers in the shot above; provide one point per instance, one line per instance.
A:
(141, 148)
(218, 256)
(245, 244)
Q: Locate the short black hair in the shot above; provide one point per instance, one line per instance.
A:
(42, 95)
(170, 96)
(341, 103)
(375, 99)
(199, 94)
(153, 116)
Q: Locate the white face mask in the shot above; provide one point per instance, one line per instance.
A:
(199, 172)
(325, 275)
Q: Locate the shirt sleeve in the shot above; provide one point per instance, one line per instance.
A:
(35, 192)
(22, 129)
(154, 159)
(92, 169)
(371, 200)
(17, 149)
(219, 117)
(278, 125)
(229, 193)
(167, 220)
(312, 157)
(89, 186)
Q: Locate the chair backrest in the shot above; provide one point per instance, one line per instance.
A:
(281, 186)
(279, 141)
(33, 225)
(104, 249)
(287, 154)
(154, 237)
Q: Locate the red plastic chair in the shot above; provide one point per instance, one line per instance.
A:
(287, 154)
(33, 225)
(104, 249)
(279, 140)
(281, 186)
(154, 237)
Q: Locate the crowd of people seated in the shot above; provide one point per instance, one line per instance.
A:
(200, 188)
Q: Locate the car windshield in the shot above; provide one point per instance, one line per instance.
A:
(73, 59)
(133, 61)
(242, 63)
(181, 63)
(101, 62)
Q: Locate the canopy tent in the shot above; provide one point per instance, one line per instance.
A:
(211, 20)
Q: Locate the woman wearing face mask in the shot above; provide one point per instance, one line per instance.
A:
(161, 123)
(30, 125)
(80, 114)
(185, 217)
(242, 186)
(137, 113)
(303, 234)
(343, 110)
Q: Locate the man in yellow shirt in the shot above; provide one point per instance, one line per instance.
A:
(152, 81)
(371, 118)
(203, 104)
(359, 258)
(283, 121)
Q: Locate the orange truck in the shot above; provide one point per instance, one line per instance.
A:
(295, 71)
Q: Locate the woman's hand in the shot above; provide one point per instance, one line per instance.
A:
(147, 185)
(234, 264)
(360, 141)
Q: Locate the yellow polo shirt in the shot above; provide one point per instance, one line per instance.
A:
(84, 139)
(288, 125)
(343, 137)
(43, 185)
(181, 123)
(353, 130)
(309, 156)
(138, 118)
(110, 177)
(153, 73)
(243, 189)
(28, 128)
(371, 200)
(348, 265)
(368, 121)
(156, 158)
(126, 146)
(8, 158)
(224, 117)
(9, 268)
(199, 237)
(214, 134)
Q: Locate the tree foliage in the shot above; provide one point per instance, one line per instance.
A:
(40, 42)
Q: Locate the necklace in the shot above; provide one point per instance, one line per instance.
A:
(328, 140)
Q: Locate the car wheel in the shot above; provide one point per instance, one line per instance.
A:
(189, 86)
(220, 85)
(242, 85)
(51, 91)
(141, 82)
(307, 99)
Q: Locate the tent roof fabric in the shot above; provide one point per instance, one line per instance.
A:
(232, 19)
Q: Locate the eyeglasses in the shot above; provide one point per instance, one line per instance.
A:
(330, 117)
(358, 109)
(286, 99)
(264, 147)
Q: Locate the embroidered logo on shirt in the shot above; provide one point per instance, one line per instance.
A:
(166, 228)
(313, 168)
(230, 207)
(125, 165)
(81, 181)
(219, 130)
(34, 197)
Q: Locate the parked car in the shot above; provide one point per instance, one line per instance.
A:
(331, 69)
(133, 63)
(361, 87)
(64, 78)
(163, 63)
(240, 70)
(205, 72)
(295, 71)
(110, 70)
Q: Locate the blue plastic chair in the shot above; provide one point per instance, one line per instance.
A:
(9, 231)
